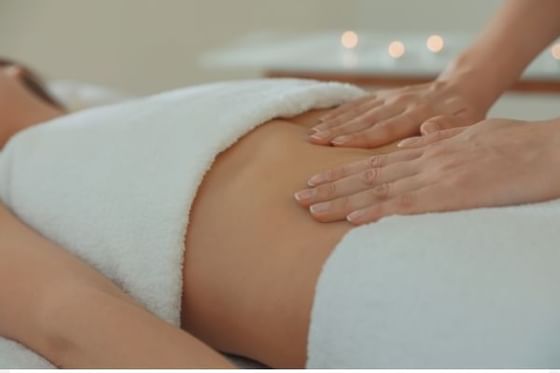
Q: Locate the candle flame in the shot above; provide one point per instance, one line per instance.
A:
(435, 43)
(396, 49)
(555, 51)
(349, 39)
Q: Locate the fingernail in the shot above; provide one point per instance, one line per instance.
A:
(356, 216)
(313, 130)
(429, 128)
(321, 135)
(320, 208)
(408, 142)
(316, 180)
(340, 140)
(303, 195)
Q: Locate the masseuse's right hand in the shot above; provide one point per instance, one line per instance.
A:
(389, 115)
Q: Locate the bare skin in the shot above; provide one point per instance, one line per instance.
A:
(249, 276)
(252, 255)
(461, 95)
(497, 162)
(75, 317)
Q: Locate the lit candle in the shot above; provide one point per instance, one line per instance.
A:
(349, 40)
(555, 51)
(396, 49)
(435, 44)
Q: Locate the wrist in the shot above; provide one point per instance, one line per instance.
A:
(475, 80)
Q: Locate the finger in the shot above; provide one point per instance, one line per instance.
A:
(340, 208)
(432, 198)
(349, 113)
(371, 117)
(420, 141)
(345, 107)
(355, 183)
(354, 124)
(348, 116)
(380, 134)
(375, 161)
(323, 132)
(442, 122)
(363, 122)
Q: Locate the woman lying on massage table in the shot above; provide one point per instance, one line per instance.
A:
(247, 291)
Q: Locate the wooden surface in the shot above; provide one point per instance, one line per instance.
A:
(365, 80)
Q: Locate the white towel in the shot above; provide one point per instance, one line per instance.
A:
(471, 289)
(114, 185)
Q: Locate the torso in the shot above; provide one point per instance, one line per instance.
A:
(253, 256)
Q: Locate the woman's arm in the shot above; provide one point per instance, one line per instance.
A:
(514, 37)
(72, 315)
(461, 95)
(497, 162)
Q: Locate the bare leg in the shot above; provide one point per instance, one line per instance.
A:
(72, 315)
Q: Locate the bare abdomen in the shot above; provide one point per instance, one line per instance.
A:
(253, 255)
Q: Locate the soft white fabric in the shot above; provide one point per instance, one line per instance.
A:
(114, 185)
(471, 289)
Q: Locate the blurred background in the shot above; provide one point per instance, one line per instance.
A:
(146, 46)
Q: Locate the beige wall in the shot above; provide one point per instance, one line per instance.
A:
(148, 45)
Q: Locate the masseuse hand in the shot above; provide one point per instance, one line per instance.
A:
(389, 115)
(496, 162)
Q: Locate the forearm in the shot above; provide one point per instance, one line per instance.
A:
(514, 37)
(65, 310)
(93, 329)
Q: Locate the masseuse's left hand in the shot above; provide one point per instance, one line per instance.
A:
(496, 162)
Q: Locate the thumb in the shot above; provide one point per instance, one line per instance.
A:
(441, 122)
(430, 138)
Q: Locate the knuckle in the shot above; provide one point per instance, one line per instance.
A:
(376, 161)
(326, 190)
(335, 174)
(327, 175)
(381, 192)
(370, 176)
